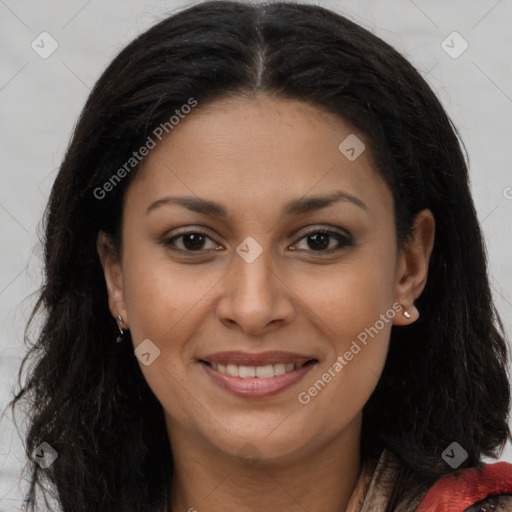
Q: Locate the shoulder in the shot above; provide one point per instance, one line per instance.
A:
(482, 489)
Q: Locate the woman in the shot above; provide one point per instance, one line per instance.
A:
(273, 207)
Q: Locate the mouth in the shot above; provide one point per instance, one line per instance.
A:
(256, 375)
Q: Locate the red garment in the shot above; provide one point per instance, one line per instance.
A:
(455, 493)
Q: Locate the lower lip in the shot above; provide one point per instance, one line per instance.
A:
(256, 387)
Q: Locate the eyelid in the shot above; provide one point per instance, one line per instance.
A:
(322, 229)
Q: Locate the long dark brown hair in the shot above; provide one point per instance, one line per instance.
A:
(445, 376)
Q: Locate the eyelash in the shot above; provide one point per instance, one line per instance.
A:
(346, 241)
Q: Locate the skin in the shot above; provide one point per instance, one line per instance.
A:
(252, 155)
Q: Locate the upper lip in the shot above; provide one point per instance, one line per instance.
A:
(261, 359)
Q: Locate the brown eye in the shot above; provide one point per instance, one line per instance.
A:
(321, 240)
(191, 241)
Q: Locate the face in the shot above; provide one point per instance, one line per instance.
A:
(261, 263)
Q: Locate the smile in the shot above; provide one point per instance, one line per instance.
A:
(256, 375)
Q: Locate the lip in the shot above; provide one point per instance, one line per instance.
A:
(261, 359)
(256, 387)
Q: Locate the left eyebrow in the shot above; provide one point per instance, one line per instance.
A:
(293, 207)
(314, 203)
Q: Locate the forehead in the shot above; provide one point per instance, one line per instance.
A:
(261, 150)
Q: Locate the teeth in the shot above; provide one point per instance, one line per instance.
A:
(247, 371)
(279, 369)
(263, 372)
(232, 369)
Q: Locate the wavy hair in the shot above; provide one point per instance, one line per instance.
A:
(445, 377)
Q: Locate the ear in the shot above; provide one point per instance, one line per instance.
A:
(412, 268)
(110, 261)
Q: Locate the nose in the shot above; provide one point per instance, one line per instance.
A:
(255, 297)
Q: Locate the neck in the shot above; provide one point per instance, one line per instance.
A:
(325, 478)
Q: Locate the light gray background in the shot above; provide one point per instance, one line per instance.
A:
(40, 100)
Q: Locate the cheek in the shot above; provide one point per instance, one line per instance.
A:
(339, 390)
(163, 304)
(355, 303)
(161, 296)
(350, 296)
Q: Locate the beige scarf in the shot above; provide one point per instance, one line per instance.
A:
(368, 495)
